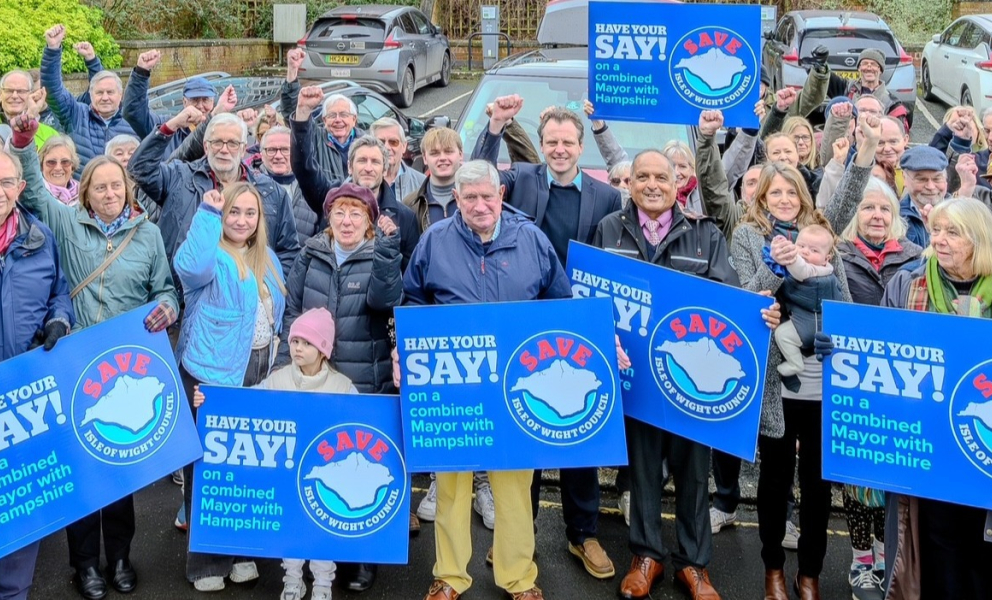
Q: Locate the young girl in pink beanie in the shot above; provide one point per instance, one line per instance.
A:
(311, 339)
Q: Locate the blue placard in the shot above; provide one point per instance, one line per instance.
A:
(906, 403)
(300, 475)
(698, 349)
(666, 63)
(100, 416)
(514, 385)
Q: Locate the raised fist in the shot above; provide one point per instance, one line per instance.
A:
(784, 98)
(249, 116)
(842, 110)
(214, 199)
(187, 118)
(294, 58)
(506, 107)
(309, 99)
(148, 60)
(841, 148)
(710, 121)
(226, 102)
(54, 36)
(871, 126)
(84, 49)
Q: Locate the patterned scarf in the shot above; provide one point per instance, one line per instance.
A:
(787, 229)
(68, 195)
(112, 227)
(8, 231)
(944, 297)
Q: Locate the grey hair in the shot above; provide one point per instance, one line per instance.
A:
(226, 119)
(20, 72)
(986, 112)
(387, 123)
(274, 130)
(106, 75)
(898, 123)
(367, 141)
(59, 140)
(679, 148)
(334, 99)
(476, 171)
(18, 169)
(620, 167)
(671, 165)
(876, 186)
(120, 140)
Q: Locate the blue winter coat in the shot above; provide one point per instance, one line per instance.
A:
(178, 187)
(451, 266)
(219, 322)
(33, 289)
(139, 115)
(88, 130)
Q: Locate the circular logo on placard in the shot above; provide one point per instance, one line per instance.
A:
(713, 68)
(971, 416)
(352, 480)
(125, 405)
(559, 388)
(703, 364)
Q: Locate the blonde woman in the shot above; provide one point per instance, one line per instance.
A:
(687, 186)
(801, 133)
(235, 300)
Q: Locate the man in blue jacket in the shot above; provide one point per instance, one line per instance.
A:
(92, 125)
(34, 310)
(565, 205)
(178, 187)
(924, 169)
(483, 254)
(196, 92)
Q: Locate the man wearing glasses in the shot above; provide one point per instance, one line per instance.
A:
(276, 164)
(179, 186)
(329, 144)
(15, 87)
(398, 176)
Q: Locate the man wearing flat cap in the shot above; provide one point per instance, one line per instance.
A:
(925, 177)
(197, 93)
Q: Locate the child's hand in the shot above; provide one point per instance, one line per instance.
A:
(198, 397)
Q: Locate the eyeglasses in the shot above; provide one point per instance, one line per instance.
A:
(802, 138)
(231, 145)
(51, 163)
(270, 152)
(392, 142)
(354, 216)
(337, 115)
(9, 184)
(619, 180)
(13, 92)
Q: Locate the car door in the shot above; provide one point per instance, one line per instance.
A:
(416, 46)
(942, 71)
(970, 50)
(432, 45)
(371, 109)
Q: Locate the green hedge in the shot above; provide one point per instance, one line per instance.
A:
(23, 23)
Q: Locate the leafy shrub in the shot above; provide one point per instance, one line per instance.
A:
(913, 21)
(24, 22)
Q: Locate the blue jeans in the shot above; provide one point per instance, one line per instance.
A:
(17, 573)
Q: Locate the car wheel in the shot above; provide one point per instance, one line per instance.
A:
(966, 97)
(404, 98)
(925, 81)
(445, 71)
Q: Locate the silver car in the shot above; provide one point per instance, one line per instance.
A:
(390, 49)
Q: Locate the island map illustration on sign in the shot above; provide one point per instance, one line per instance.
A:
(354, 479)
(562, 387)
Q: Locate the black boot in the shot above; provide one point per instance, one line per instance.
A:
(363, 578)
(123, 577)
(91, 584)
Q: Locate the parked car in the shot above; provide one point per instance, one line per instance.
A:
(253, 92)
(390, 49)
(557, 74)
(956, 66)
(845, 34)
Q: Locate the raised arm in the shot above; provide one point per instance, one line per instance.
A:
(314, 183)
(838, 121)
(844, 204)
(136, 111)
(290, 91)
(196, 259)
(36, 198)
(93, 66)
(814, 91)
(775, 118)
(153, 176)
(68, 111)
(718, 201)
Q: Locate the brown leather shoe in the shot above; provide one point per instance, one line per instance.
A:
(642, 575)
(775, 585)
(440, 590)
(531, 594)
(593, 558)
(697, 582)
(808, 588)
(414, 525)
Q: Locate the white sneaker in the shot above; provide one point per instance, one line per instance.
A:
(720, 519)
(321, 592)
(864, 584)
(623, 503)
(791, 539)
(485, 506)
(427, 509)
(293, 588)
(244, 571)
(209, 584)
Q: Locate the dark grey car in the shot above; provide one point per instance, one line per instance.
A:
(390, 49)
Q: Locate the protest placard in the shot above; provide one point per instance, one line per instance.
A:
(698, 349)
(906, 403)
(666, 62)
(100, 416)
(514, 385)
(300, 475)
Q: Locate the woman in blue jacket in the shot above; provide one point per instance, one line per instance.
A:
(235, 299)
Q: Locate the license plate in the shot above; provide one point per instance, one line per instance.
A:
(852, 75)
(346, 73)
(343, 59)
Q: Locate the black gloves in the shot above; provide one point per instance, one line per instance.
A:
(823, 346)
(53, 331)
(819, 58)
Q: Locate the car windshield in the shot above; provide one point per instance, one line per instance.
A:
(540, 93)
(357, 29)
(252, 92)
(848, 41)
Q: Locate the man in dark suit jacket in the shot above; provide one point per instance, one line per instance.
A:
(566, 205)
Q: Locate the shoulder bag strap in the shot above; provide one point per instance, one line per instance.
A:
(103, 266)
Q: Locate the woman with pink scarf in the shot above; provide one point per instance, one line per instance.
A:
(58, 162)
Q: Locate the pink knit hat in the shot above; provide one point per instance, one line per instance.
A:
(317, 327)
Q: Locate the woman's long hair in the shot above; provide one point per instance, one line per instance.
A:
(790, 125)
(255, 256)
(87, 180)
(757, 211)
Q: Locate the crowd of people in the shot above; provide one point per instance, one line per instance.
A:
(276, 245)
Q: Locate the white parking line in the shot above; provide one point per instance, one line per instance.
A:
(926, 113)
(448, 103)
